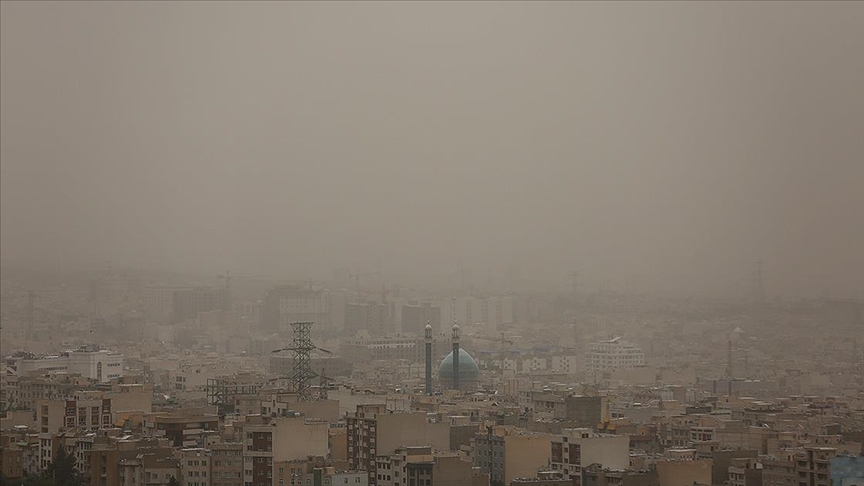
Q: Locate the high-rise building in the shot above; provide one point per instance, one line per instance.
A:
(415, 318)
(371, 317)
(285, 304)
(188, 302)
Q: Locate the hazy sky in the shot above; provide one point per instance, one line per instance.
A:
(674, 143)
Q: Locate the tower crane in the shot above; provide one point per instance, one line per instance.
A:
(356, 277)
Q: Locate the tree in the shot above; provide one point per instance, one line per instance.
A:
(173, 482)
(35, 480)
(62, 469)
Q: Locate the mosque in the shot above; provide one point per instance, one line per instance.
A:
(458, 370)
(469, 372)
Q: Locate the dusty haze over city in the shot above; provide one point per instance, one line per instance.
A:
(661, 146)
(443, 243)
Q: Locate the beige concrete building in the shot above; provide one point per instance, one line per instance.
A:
(53, 416)
(195, 467)
(507, 453)
(576, 449)
(420, 466)
(227, 468)
(271, 440)
(374, 431)
(680, 467)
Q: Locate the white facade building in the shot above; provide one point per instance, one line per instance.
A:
(101, 365)
(95, 364)
(613, 354)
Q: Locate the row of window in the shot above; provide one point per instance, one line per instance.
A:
(227, 475)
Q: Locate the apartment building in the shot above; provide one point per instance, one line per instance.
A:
(575, 449)
(586, 411)
(271, 440)
(147, 469)
(24, 391)
(195, 466)
(744, 471)
(613, 354)
(54, 416)
(507, 453)
(184, 427)
(373, 431)
(420, 466)
(813, 465)
(114, 458)
(227, 464)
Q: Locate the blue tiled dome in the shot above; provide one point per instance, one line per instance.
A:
(468, 371)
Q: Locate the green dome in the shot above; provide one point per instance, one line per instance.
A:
(468, 371)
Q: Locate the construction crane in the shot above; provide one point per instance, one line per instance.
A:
(356, 277)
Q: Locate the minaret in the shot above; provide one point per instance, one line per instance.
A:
(455, 356)
(428, 358)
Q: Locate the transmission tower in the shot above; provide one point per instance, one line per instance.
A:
(302, 346)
